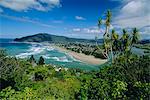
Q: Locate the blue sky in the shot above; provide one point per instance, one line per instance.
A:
(72, 18)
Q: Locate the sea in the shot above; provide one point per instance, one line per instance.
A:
(50, 54)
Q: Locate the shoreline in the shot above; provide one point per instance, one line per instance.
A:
(82, 57)
(89, 59)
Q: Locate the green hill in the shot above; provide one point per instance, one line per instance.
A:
(44, 37)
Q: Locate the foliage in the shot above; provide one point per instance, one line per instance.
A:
(126, 78)
(113, 44)
(32, 59)
(41, 61)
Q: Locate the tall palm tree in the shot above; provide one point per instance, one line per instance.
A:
(105, 53)
(96, 38)
(107, 22)
(107, 35)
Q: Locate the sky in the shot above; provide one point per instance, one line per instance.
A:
(71, 18)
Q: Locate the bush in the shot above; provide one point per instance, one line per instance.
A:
(127, 78)
(41, 61)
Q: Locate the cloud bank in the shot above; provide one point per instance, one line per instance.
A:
(80, 18)
(26, 19)
(133, 13)
(24, 5)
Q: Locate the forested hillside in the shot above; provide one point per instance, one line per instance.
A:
(44, 37)
(127, 78)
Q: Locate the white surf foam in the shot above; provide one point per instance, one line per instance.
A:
(59, 59)
(47, 56)
(74, 59)
(64, 59)
(50, 48)
(34, 49)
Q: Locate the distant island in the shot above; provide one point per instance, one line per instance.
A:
(45, 37)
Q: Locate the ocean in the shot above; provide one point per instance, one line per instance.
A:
(51, 55)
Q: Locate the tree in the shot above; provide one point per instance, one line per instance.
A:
(32, 59)
(106, 36)
(115, 42)
(134, 37)
(41, 61)
(2, 53)
(8, 66)
(126, 79)
(99, 22)
(107, 22)
(125, 41)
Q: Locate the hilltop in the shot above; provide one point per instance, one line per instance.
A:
(44, 37)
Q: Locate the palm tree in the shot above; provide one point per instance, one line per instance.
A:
(107, 42)
(99, 22)
(96, 38)
(135, 36)
(114, 38)
(105, 52)
(125, 40)
(107, 22)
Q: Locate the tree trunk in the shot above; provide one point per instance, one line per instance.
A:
(111, 43)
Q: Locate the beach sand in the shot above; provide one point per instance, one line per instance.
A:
(82, 57)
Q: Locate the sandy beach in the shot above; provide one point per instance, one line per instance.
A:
(82, 57)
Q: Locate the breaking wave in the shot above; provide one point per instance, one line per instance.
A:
(59, 59)
(34, 49)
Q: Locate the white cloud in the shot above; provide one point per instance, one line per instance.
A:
(76, 29)
(80, 18)
(26, 19)
(24, 5)
(89, 32)
(133, 13)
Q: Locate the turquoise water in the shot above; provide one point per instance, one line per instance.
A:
(138, 51)
(51, 55)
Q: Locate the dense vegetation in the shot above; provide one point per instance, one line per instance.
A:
(127, 78)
